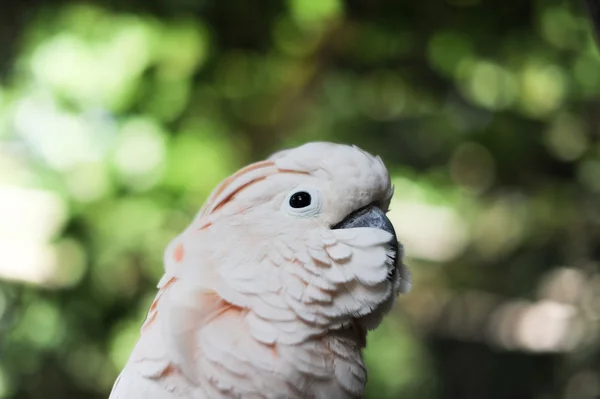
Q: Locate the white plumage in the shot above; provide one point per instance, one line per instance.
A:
(261, 299)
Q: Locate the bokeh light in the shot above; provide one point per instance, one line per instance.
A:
(117, 120)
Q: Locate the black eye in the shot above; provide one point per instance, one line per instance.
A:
(301, 199)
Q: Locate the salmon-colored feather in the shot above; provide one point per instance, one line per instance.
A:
(236, 182)
(258, 301)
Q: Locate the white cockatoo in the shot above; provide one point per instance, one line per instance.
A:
(269, 292)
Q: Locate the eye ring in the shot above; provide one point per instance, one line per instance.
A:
(303, 201)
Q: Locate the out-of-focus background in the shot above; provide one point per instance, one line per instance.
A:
(118, 118)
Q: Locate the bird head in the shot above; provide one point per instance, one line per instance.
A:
(301, 240)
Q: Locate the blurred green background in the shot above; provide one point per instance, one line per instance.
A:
(118, 118)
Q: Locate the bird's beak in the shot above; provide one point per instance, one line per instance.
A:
(373, 217)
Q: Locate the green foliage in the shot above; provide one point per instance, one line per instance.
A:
(117, 121)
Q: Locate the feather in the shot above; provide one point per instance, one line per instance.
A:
(260, 301)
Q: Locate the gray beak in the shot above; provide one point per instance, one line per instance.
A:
(372, 216)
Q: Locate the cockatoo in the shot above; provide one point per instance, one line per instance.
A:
(269, 292)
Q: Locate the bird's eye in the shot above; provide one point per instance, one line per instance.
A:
(300, 199)
(303, 201)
